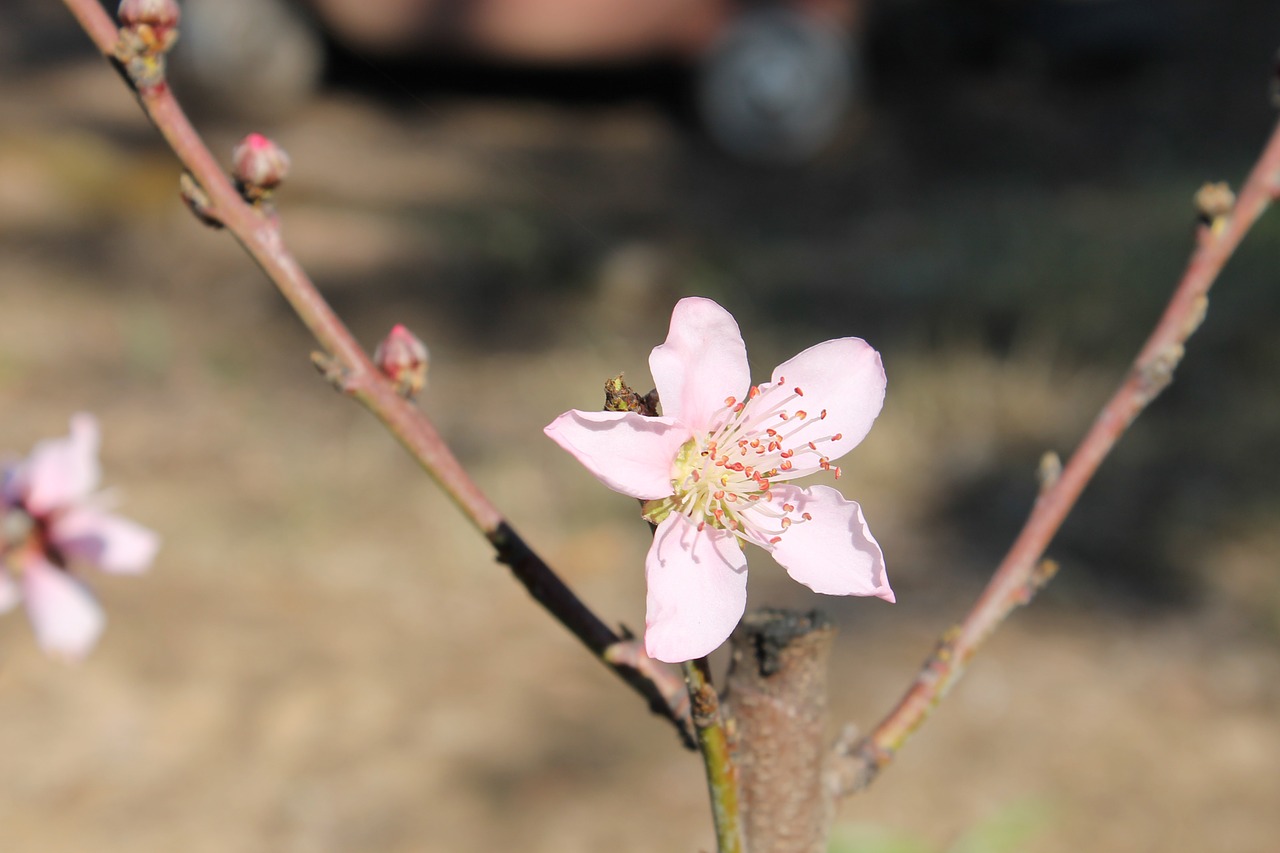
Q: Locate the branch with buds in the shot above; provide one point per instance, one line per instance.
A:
(137, 48)
(713, 472)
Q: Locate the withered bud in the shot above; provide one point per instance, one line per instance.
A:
(621, 397)
(153, 13)
(404, 359)
(258, 165)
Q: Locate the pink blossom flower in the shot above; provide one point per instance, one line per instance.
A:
(50, 519)
(714, 469)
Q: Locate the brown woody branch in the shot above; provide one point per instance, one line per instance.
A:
(1022, 573)
(219, 202)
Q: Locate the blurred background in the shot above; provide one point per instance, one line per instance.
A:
(997, 194)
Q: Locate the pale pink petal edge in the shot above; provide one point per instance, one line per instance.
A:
(61, 471)
(846, 378)
(697, 590)
(104, 540)
(627, 452)
(702, 363)
(834, 553)
(66, 619)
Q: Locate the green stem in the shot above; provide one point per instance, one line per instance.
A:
(713, 742)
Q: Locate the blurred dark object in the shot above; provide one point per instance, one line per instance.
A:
(768, 80)
(1082, 35)
(771, 81)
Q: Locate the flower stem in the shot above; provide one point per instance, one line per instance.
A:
(260, 236)
(713, 742)
(1022, 572)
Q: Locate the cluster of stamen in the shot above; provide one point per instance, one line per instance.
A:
(719, 475)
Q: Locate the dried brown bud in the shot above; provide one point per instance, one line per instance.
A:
(621, 397)
(404, 359)
(259, 166)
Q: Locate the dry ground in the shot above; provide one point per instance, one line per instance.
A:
(326, 659)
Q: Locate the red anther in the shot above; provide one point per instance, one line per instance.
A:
(738, 408)
(786, 465)
(729, 401)
(806, 516)
(775, 540)
(787, 454)
(783, 416)
(801, 414)
(799, 393)
(718, 495)
(772, 433)
(813, 446)
(754, 392)
(837, 436)
(837, 471)
(786, 522)
(789, 507)
(823, 416)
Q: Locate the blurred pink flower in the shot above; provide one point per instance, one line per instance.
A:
(51, 519)
(713, 471)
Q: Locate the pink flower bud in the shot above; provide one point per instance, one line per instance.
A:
(404, 359)
(160, 14)
(258, 165)
(148, 30)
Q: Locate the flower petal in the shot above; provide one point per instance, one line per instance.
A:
(104, 540)
(10, 593)
(834, 552)
(66, 619)
(629, 453)
(844, 377)
(702, 362)
(59, 471)
(697, 590)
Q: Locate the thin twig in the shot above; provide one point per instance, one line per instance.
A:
(717, 756)
(260, 236)
(1019, 576)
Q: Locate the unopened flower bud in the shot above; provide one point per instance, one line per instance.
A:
(404, 359)
(1214, 201)
(152, 13)
(259, 166)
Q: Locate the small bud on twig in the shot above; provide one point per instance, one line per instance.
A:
(157, 14)
(148, 30)
(197, 200)
(404, 360)
(1214, 201)
(332, 369)
(258, 166)
(1049, 471)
